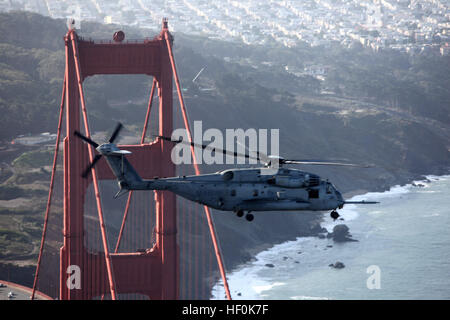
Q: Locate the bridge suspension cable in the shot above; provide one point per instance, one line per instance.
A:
(197, 170)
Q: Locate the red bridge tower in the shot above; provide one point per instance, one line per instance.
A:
(154, 272)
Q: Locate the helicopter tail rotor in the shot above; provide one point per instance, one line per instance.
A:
(111, 140)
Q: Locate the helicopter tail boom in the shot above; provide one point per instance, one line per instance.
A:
(127, 177)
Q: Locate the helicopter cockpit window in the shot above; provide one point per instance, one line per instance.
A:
(228, 175)
(313, 194)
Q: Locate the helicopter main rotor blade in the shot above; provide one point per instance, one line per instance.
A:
(86, 139)
(88, 169)
(115, 132)
(260, 156)
(203, 146)
(325, 163)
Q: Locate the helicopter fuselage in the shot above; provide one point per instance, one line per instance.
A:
(249, 189)
(259, 189)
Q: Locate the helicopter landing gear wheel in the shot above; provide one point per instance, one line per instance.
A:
(240, 213)
(334, 214)
(249, 217)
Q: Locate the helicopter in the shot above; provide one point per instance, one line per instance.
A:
(241, 190)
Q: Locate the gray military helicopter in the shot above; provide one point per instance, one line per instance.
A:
(268, 188)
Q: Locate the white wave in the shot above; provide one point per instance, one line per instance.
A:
(245, 284)
(437, 178)
(420, 184)
(391, 193)
(431, 215)
(260, 289)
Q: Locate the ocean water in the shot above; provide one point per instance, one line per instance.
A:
(402, 252)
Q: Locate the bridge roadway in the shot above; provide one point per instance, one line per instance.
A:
(19, 292)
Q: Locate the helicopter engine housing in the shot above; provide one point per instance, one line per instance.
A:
(290, 182)
(297, 181)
